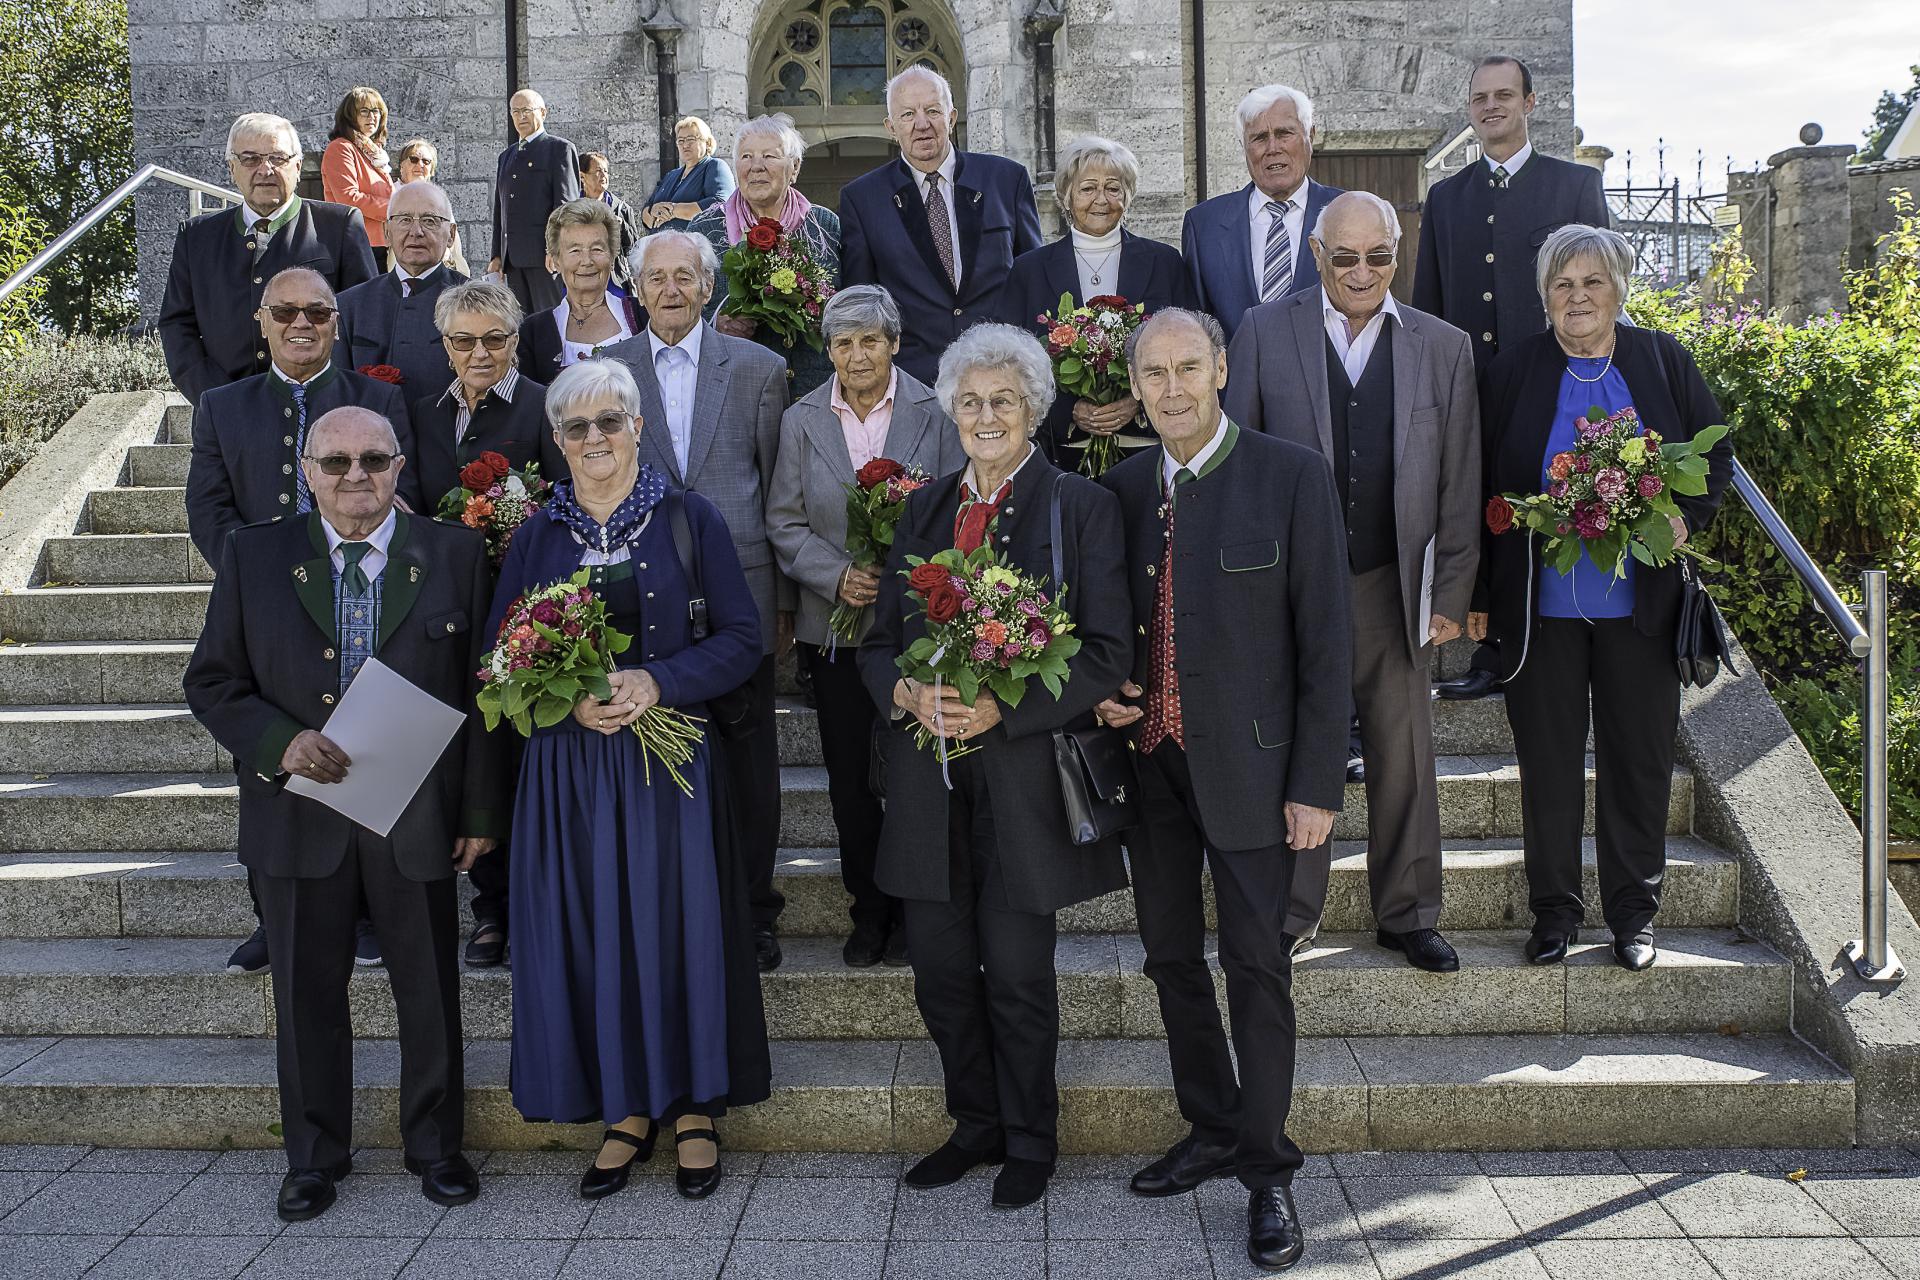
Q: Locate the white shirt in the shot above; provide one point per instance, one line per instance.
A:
(292, 381)
(405, 278)
(972, 481)
(677, 368)
(1354, 354)
(948, 167)
(1260, 219)
(572, 353)
(1513, 162)
(376, 558)
(1097, 253)
(1169, 467)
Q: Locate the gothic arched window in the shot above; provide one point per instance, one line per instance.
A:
(827, 62)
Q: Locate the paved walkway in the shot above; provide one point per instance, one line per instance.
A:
(1664, 1215)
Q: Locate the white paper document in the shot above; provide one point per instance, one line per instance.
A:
(1425, 615)
(394, 732)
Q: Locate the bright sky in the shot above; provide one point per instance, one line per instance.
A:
(1732, 77)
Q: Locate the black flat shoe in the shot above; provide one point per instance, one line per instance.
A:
(1549, 947)
(1187, 1164)
(1021, 1183)
(1635, 953)
(1274, 1239)
(1474, 684)
(488, 945)
(697, 1184)
(1424, 949)
(308, 1193)
(864, 948)
(766, 948)
(450, 1181)
(597, 1181)
(895, 955)
(949, 1164)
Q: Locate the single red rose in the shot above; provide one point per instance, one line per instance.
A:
(878, 472)
(476, 475)
(925, 577)
(382, 373)
(497, 463)
(1499, 514)
(763, 236)
(943, 603)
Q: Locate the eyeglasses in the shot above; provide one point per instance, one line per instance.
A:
(427, 222)
(253, 159)
(338, 464)
(518, 112)
(1377, 258)
(495, 341)
(608, 424)
(972, 406)
(318, 313)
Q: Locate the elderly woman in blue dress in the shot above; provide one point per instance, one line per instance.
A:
(634, 1002)
(766, 159)
(700, 181)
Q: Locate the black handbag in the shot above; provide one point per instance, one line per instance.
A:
(1096, 769)
(730, 712)
(1700, 644)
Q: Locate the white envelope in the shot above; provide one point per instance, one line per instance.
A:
(394, 732)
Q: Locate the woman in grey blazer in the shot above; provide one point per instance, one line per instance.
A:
(868, 409)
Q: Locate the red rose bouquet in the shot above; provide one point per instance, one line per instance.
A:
(1089, 349)
(773, 280)
(495, 499)
(989, 627)
(554, 648)
(875, 502)
(1611, 495)
(382, 373)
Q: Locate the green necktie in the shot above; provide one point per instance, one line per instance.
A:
(353, 576)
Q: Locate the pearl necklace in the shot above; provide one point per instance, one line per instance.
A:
(1605, 365)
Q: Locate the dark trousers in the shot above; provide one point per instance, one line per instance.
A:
(1250, 888)
(753, 779)
(846, 718)
(983, 977)
(1636, 713)
(537, 288)
(310, 931)
(491, 872)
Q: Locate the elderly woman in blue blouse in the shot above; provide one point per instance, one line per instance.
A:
(700, 181)
(634, 1004)
(766, 158)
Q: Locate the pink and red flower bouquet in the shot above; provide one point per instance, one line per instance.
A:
(495, 499)
(773, 280)
(1088, 345)
(876, 500)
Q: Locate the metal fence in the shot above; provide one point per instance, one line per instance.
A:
(1672, 235)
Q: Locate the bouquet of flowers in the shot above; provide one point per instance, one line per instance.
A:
(495, 499)
(1611, 495)
(988, 626)
(1089, 350)
(875, 501)
(554, 648)
(773, 280)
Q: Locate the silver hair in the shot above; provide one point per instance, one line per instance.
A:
(1216, 336)
(332, 298)
(347, 413)
(480, 298)
(780, 125)
(709, 260)
(586, 381)
(859, 307)
(1385, 209)
(1258, 102)
(998, 346)
(264, 122)
(1088, 150)
(1614, 251)
(918, 72)
(427, 185)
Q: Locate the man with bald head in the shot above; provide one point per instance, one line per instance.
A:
(222, 261)
(298, 609)
(1387, 395)
(536, 175)
(389, 320)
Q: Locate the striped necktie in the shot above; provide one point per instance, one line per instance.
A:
(1500, 176)
(1276, 277)
(302, 497)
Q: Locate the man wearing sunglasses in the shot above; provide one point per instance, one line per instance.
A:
(1387, 394)
(389, 320)
(222, 261)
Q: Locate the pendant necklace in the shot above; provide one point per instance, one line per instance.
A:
(1104, 260)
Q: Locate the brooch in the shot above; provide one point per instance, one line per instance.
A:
(413, 573)
(300, 572)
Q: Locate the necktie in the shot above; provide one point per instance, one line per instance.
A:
(975, 514)
(1500, 176)
(941, 225)
(406, 288)
(352, 576)
(1276, 277)
(262, 233)
(302, 496)
(1163, 719)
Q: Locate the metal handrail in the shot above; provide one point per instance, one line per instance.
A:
(1872, 958)
(98, 214)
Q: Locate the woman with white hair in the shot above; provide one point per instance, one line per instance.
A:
(978, 848)
(1095, 183)
(766, 162)
(636, 999)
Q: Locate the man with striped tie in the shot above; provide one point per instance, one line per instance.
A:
(1250, 246)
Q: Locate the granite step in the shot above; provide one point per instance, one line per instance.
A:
(176, 427)
(159, 466)
(112, 559)
(50, 672)
(112, 738)
(96, 614)
(1457, 1093)
(138, 510)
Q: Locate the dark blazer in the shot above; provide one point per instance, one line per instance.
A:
(1216, 239)
(541, 346)
(265, 668)
(243, 459)
(378, 326)
(1042, 870)
(1458, 229)
(1149, 272)
(530, 182)
(1519, 396)
(884, 240)
(515, 429)
(207, 324)
(1263, 635)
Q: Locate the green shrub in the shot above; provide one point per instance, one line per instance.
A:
(44, 380)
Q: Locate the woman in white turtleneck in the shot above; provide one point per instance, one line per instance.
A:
(1094, 182)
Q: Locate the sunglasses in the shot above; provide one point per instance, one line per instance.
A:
(1378, 258)
(338, 464)
(608, 424)
(495, 341)
(318, 313)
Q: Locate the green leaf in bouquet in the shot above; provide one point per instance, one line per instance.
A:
(1642, 554)
(1565, 554)
(1596, 413)
(523, 724)
(922, 649)
(1066, 306)
(490, 712)
(1070, 367)
(1658, 536)
(551, 710)
(1053, 683)
(1063, 647)
(1687, 483)
(1708, 437)
(617, 642)
(516, 696)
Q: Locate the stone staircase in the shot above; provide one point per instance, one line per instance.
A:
(120, 897)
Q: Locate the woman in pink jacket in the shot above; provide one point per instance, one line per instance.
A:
(354, 169)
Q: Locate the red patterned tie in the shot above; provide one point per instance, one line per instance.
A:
(1162, 719)
(971, 520)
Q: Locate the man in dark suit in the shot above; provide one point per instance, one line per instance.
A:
(535, 176)
(937, 228)
(1250, 246)
(389, 319)
(712, 409)
(1386, 394)
(1479, 234)
(1240, 727)
(222, 261)
(298, 609)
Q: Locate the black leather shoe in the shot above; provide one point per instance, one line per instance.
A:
(1274, 1239)
(1021, 1183)
(1474, 684)
(488, 945)
(597, 1181)
(1356, 769)
(1635, 953)
(895, 956)
(366, 946)
(766, 948)
(864, 948)
(1187, 1164)
(697, 1184)
(949, 1164)
(1424, 949)
(1550, 947)
(449, 1181)
(251, 955)
(308, 1193)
